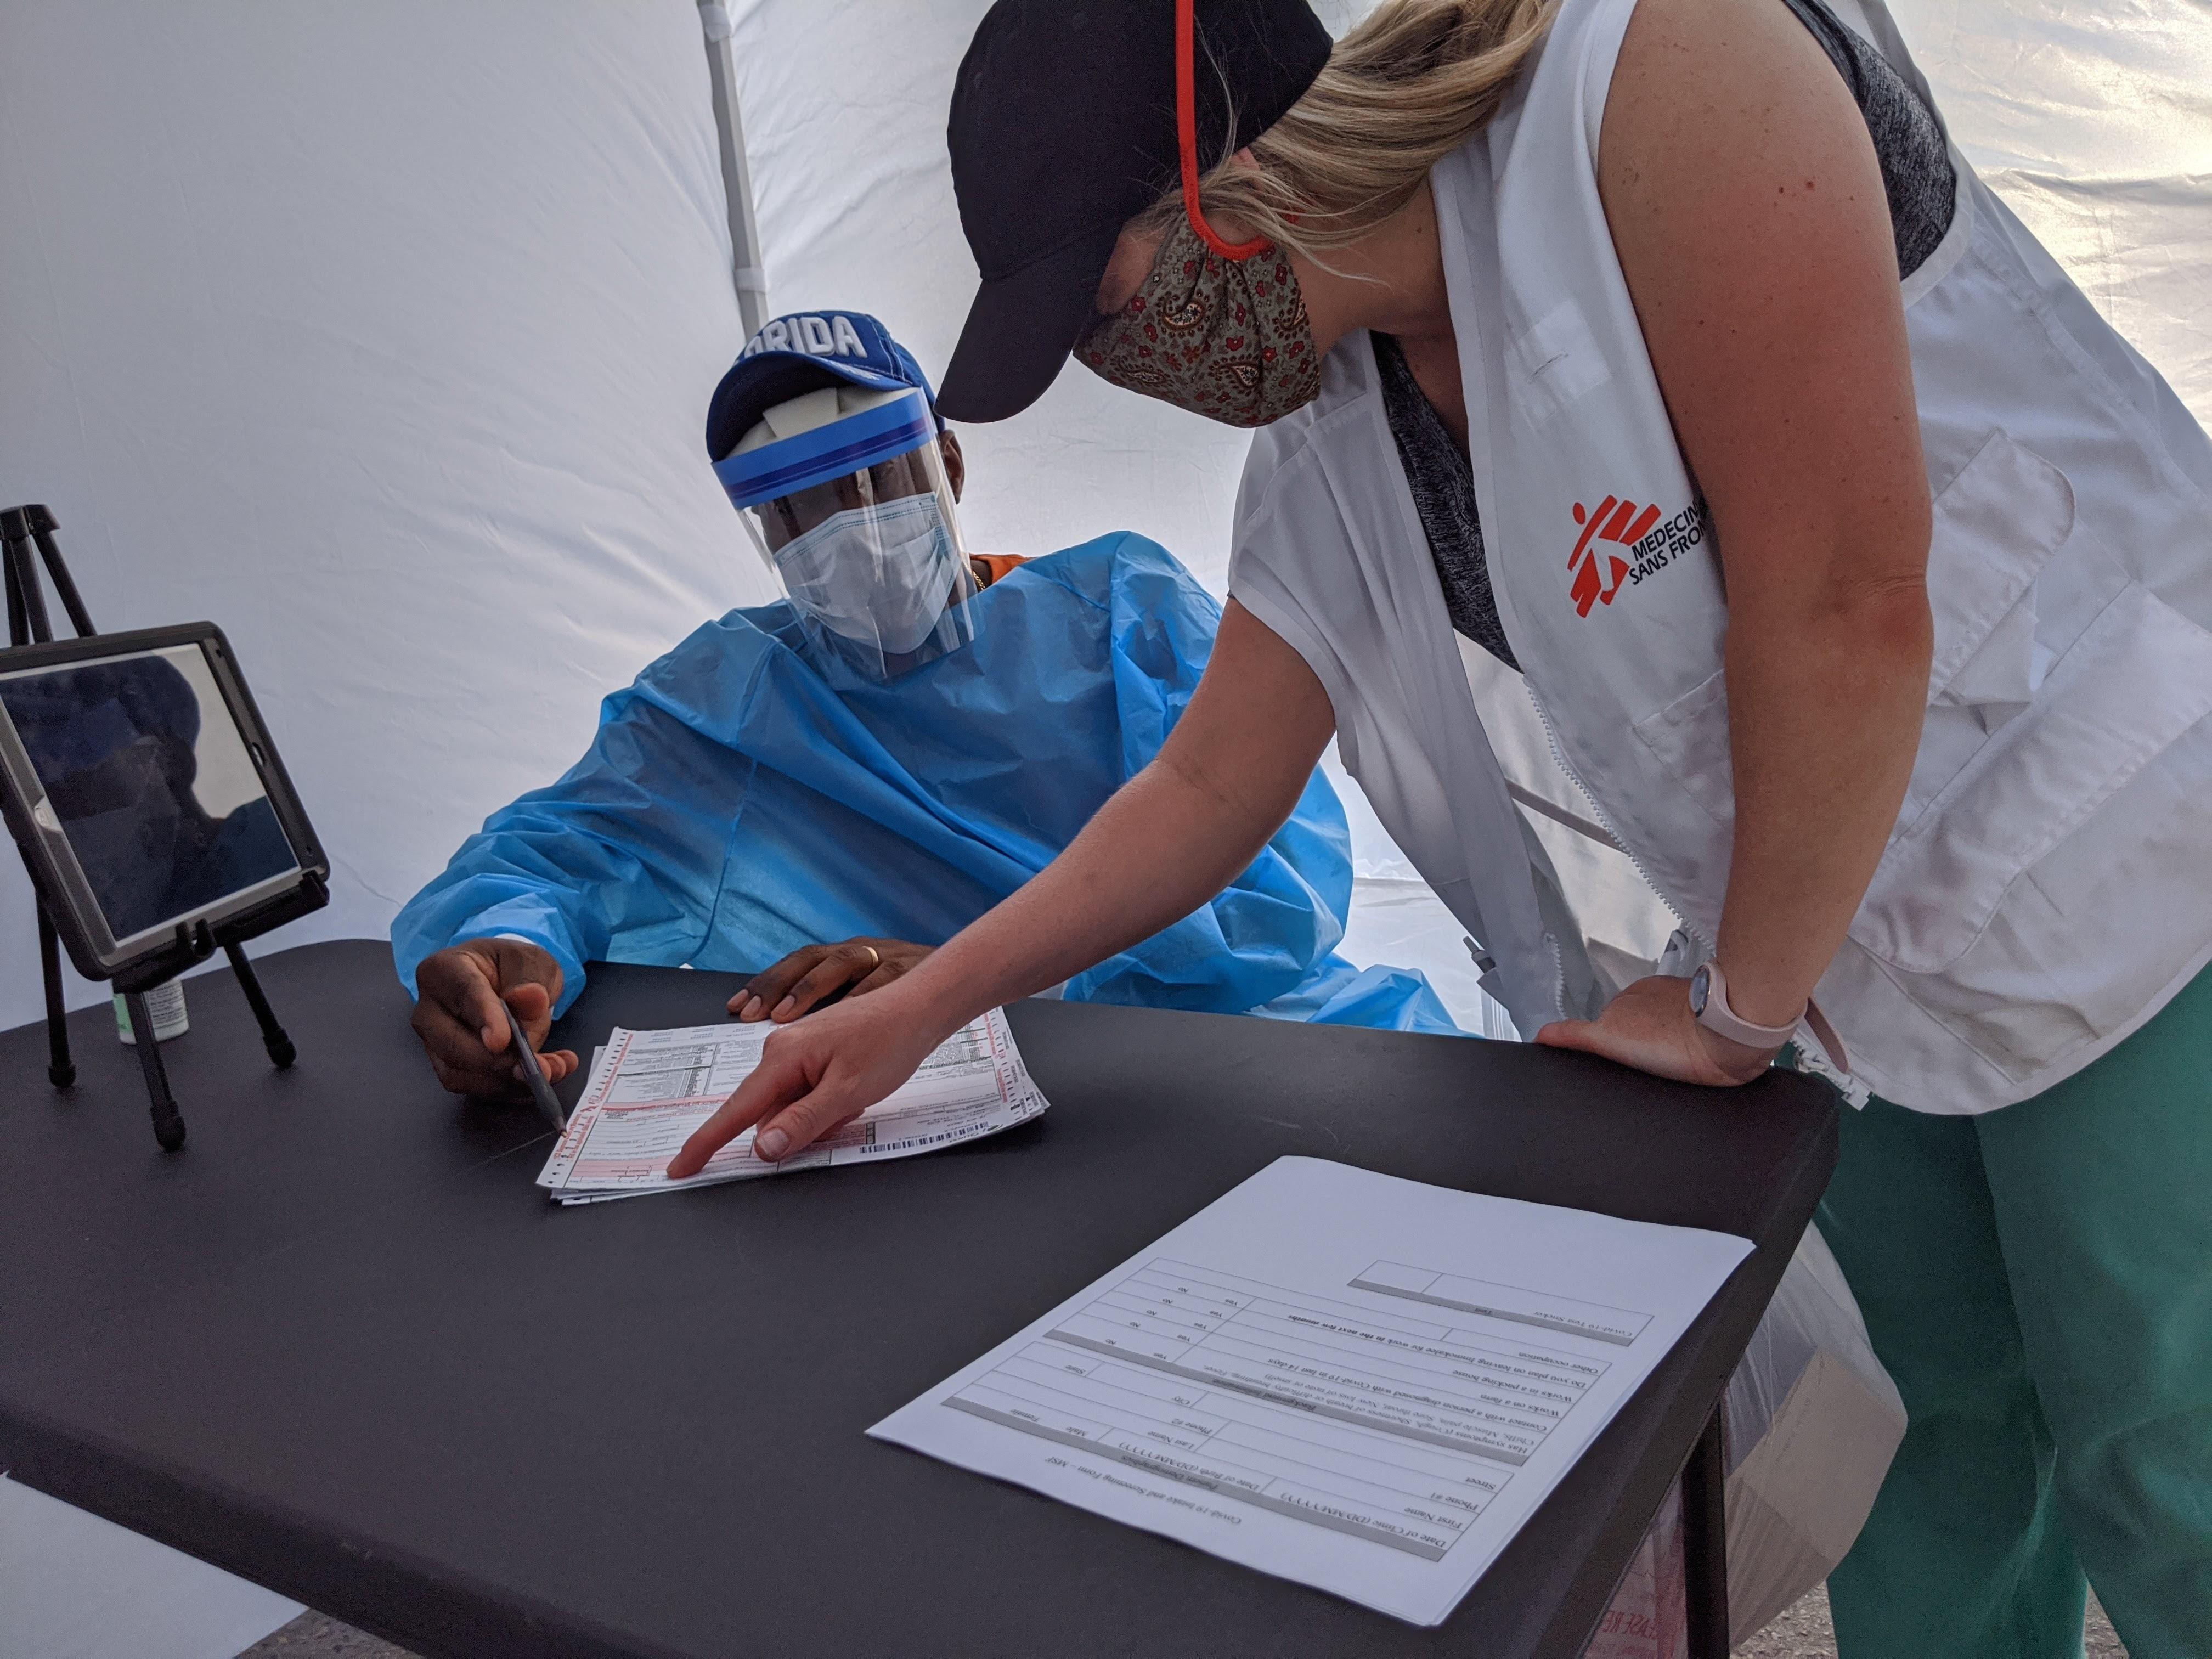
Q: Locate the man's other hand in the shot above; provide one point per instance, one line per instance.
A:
(459, 1017)
(807, 977)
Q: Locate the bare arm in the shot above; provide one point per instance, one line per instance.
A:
(1169, 839)
(1747, 209)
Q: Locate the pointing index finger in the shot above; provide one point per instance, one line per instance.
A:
(775, 1082)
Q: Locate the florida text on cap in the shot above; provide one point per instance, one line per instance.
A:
(1064, 128)
(798, 353)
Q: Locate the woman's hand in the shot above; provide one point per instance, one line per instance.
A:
(814, 973)
(1650, 1026)
(820, 1074)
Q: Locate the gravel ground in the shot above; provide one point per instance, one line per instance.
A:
(311, 1636)
(1803, 1632)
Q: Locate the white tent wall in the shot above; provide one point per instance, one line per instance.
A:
(381, 334)
(2094, 122)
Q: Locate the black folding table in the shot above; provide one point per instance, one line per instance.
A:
(342, 1344)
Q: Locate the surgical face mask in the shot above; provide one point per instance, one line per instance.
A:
(1225, 338)
(887, 579)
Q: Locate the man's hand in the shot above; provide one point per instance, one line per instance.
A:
(1650, 1026)
(459, 1017)
(807, 976)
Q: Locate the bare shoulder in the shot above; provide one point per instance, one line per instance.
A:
(1748, 215)
(1725, 116)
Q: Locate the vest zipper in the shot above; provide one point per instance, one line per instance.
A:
(1807, 1058)
(1559, 759)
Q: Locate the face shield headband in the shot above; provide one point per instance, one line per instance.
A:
(828, 452)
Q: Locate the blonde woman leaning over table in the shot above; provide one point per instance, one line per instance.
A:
(1667, 351)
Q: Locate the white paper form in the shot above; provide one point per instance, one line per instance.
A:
(1362, 1383)
(649, 1089)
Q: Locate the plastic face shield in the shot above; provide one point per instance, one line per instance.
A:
(844, 492)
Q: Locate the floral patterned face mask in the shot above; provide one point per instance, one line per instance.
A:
(1225, 338)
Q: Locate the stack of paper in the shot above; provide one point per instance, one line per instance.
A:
(649, 1089)
(1362, 1383)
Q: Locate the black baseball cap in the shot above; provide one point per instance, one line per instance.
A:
(1063, 130)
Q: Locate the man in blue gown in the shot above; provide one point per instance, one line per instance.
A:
(769, 793)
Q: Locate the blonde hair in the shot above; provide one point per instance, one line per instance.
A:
(1400, 92)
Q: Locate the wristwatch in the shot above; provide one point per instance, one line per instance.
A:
(1709, 1005)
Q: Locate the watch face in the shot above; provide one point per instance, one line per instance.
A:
(1701, 991)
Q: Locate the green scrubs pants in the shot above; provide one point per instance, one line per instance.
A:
(2039, 1281)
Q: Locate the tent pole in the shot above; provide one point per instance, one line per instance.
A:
(751, 279)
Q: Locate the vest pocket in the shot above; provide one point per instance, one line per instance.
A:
(1997, 524)
(1991, 792)
(2137, 679)
(1689, 737)
(1558, 360)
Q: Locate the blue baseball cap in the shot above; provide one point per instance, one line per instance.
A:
(801, 353)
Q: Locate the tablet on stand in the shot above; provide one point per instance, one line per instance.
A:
(149, 802)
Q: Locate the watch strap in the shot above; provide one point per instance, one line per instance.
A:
(1718, 1017)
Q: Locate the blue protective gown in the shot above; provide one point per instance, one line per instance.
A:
(751, 794)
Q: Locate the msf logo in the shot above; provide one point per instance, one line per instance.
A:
(1622, 543)
(1616, 521)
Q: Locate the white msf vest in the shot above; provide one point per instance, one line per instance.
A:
(2049, 882)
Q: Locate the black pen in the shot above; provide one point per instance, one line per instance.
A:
(534, 1075)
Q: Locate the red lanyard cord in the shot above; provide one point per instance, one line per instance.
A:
(1187, 138)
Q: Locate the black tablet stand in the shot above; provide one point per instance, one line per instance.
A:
(27, 534)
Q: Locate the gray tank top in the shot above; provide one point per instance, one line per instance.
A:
(1917, 177)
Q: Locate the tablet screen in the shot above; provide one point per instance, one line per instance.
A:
(152, 782)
